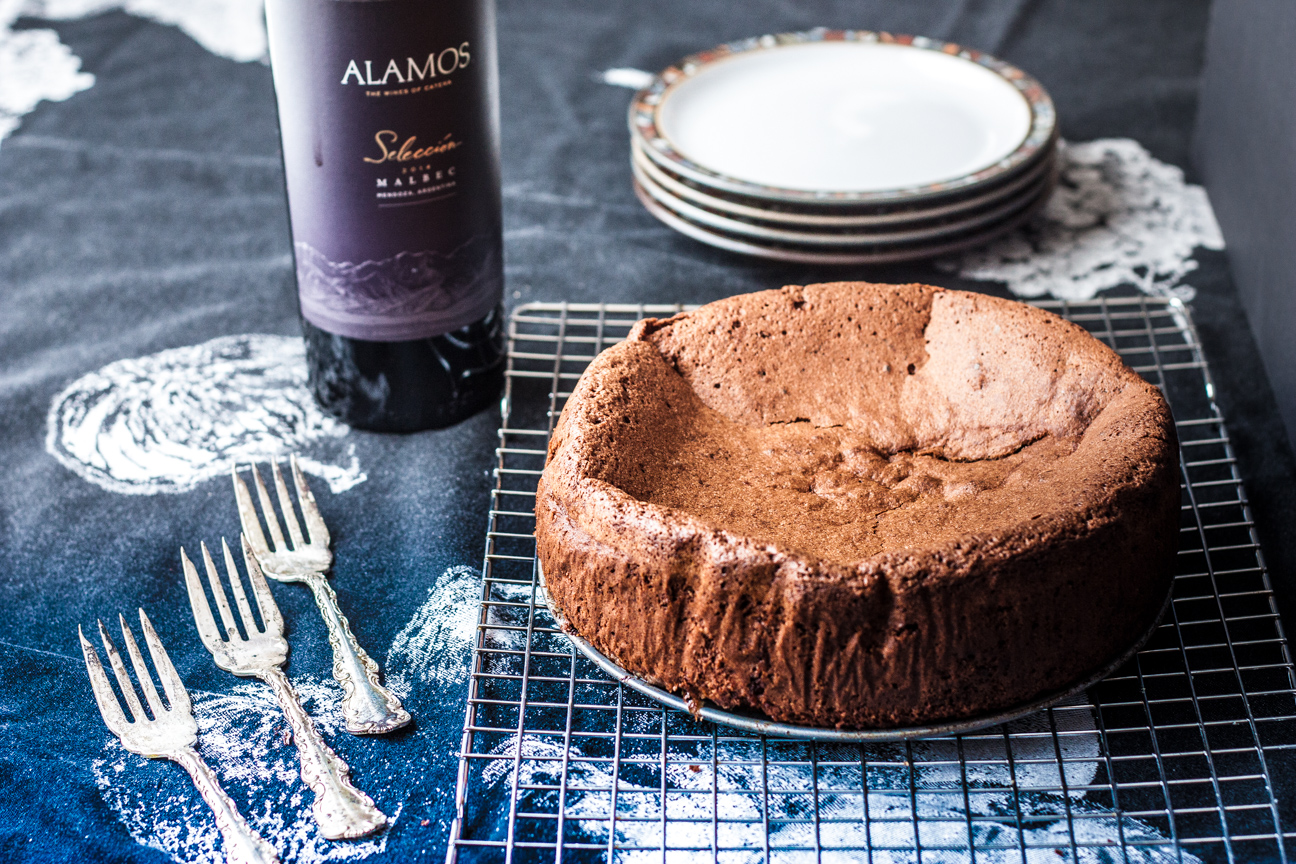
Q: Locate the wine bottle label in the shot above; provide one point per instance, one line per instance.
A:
(388, 116)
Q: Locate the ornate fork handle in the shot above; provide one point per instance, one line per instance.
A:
(242, 844)
(368, 707)
(341, 810)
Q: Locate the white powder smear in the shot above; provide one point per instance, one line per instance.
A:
(166, 422)
(241, 735)
(889, 829)
(433, 647)
(1118, 217)
(228, 28)
(632, 79)
(34, 65)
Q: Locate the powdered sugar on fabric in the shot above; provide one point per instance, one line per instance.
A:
(36, 66)
(166, 422)
(244, 738)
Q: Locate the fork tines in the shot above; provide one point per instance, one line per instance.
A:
(316, 532)
(109, 707)
(171, 733)
(271, 619)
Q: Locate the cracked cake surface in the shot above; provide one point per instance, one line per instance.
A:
(859, 505)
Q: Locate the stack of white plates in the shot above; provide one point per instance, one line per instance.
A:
(843, 147)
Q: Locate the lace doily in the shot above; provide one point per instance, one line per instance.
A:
(1118, 217)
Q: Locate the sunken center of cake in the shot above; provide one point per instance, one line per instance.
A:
(841, 426)
(827, 493)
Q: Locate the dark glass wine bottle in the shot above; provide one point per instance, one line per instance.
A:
(389, 123)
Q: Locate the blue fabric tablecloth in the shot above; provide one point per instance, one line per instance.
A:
(147, 213)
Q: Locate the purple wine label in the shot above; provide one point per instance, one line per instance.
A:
(408, 296)
(388, 115)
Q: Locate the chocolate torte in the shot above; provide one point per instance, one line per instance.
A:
(856, 505)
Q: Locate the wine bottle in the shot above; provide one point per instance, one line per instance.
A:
(389, 126)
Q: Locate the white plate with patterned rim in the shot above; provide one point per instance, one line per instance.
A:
(994, 214)
(843, 117)
(892, 254)
(805, 217)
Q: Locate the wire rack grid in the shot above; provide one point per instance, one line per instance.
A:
(1174, 758)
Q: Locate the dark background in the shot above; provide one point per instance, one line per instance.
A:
(1245, 148)
(147, 213)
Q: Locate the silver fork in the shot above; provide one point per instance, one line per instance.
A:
(341, 810)
(367, 707)
(170, 734)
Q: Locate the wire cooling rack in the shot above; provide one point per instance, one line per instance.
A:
(1171, 759)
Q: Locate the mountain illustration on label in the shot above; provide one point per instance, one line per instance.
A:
(374, 299)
